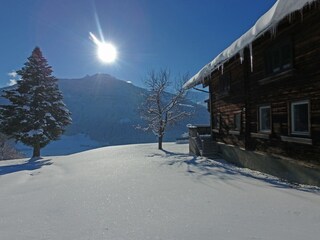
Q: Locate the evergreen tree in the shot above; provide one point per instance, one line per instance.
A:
(37, 114)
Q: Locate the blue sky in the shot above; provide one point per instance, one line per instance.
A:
(181, 35)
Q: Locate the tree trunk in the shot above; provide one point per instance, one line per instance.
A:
(36, 151)
(160, 142)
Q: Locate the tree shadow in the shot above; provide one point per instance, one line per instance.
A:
(29, 165)
(218, 168)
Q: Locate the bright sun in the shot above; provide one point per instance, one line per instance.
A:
(106, 52)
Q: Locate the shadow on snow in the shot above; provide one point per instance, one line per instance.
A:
(31, 164)
(220, 169)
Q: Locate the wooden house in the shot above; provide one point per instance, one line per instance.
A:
(264, 95)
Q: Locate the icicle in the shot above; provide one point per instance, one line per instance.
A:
(301, 13)
(251, 57)
(222, 69)
(241, 52)
(273, 30)
(309, 5)
(289, 17)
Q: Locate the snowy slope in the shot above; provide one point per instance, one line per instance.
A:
(137, 192)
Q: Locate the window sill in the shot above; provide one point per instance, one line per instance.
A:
(234, 132)
(260, 135)
(277, 76)
(215, 130)
(307, 141)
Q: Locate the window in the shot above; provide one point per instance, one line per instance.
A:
(300, 118)
(224, 84)
(279, 57)
(208, 104)
(265, 119)
(237, 121)
(216, 121)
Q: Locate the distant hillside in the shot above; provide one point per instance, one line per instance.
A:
(197, 97)
(105, 110)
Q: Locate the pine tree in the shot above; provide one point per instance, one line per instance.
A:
(37, 114)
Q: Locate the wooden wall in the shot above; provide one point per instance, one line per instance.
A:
(229, 103)
(249, 90)
(302, 82)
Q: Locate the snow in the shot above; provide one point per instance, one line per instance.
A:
(49, 115)
(64, 146)
(138, 192)
(186, 105)
(34, 132)
(25, 107)
(268, 22)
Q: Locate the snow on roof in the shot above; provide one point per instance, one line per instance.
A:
(268, 21)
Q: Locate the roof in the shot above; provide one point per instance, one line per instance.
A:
(267, 22)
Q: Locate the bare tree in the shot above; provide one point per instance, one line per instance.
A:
(7, 151)
(160, 108)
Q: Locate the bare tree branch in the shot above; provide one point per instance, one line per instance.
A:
(161, 109)
(7, 150)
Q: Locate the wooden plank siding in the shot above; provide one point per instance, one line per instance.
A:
(229, 103)
(249, 90)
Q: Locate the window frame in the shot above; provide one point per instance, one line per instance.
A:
(279, 48)
(234, 121)
(260, 119)
(292, 127)
(208, 103)
(224, 84)
(217, 121)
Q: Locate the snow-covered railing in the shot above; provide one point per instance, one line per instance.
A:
(195, 143)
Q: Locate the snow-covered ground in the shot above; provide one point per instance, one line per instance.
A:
(137, 192)
(64, 146)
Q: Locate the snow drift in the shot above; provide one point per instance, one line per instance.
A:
(138, 192)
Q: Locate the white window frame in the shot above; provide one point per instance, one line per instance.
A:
(217, 118)
(260, 118)
(234, 121)
(292, 118)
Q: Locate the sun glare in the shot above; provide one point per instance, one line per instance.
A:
(106, 52)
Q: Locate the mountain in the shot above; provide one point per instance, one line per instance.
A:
(103, 108)
(198, 97)
(105, 112)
